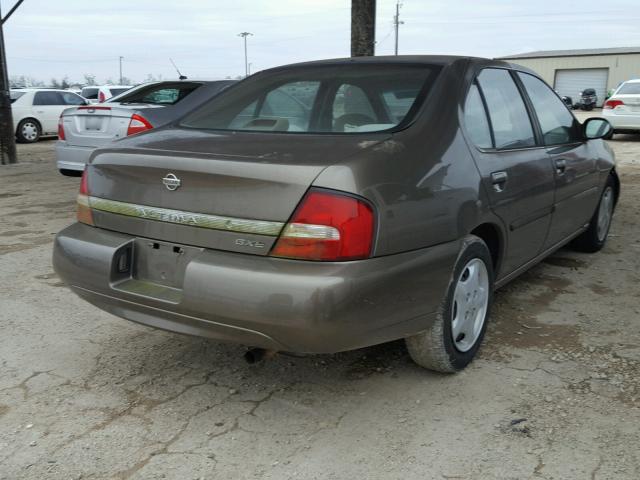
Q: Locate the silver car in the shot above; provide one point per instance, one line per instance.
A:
(84, 128)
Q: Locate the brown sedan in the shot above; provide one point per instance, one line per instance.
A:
(332, 205)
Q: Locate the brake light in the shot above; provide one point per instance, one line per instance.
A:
(60, 129)
(84, 214)
(138, 124)
(327, 226)
(101, 97)
(611, 104)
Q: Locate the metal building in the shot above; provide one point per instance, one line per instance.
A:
(571, 71)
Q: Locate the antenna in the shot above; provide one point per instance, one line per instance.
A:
(180, 76)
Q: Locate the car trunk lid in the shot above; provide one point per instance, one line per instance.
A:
(232, 191)
(95, 125)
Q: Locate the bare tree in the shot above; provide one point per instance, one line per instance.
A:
(89, 79)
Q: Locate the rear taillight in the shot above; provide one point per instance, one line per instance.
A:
(60, 129)
(84, 209)
(138, 124)
(328, 226)
(611, 104)
(101, 97)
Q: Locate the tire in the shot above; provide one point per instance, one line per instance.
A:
(70, 173)
(28, 131)
(594, 237)
(435, 348)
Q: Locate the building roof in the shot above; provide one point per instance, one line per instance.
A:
(574, 53)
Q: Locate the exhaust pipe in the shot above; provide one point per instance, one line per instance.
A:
(255, 355)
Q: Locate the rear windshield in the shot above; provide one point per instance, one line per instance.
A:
(118, 91)
(629, 89)
(320, 99)
(158, 94)
(15, 95)
(90, 93)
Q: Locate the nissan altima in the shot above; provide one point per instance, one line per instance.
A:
(332, 205)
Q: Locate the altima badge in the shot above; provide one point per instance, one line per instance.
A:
(171, 182)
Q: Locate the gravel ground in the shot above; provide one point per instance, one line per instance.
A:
(555, 393)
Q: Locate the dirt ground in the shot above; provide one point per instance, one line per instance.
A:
(555, 393)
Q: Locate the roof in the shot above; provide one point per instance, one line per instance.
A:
(377, 60)
(573, 53)
(37, 89)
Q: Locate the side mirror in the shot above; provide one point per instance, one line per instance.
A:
(596, 128)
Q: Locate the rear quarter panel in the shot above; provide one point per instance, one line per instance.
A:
(422, 181)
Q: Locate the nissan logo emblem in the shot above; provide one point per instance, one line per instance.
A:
(171, 182)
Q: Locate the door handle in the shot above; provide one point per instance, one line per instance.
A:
(561, 166)
(499, 179)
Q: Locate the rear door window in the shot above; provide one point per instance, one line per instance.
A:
(509, 117)
(48, 98)
(558, 125)
(475, 119)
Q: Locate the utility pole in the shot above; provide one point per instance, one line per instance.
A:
(121, 58)
(397, 23)
(8, 153)
(363, 27)
(244, 35)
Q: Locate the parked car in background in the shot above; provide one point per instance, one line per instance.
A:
(102, 93)
(588, 99)
(36, 111)
(141, 108)
(331, 205)
(622, 109)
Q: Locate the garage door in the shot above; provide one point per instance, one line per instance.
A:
(572, 82)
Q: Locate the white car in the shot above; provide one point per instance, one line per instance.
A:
(102, 93)
(36, 111)
(622, 109)
(150, 105)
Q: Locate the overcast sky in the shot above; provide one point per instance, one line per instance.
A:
(47, 38)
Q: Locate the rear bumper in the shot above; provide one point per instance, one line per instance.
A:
(69, 157)
(623, 122)
(312, 307)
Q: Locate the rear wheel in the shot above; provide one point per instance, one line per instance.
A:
(28, 131)
(452, 341)
(594, 238)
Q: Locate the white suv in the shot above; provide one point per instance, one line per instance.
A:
(36, 111)
(101, 93)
